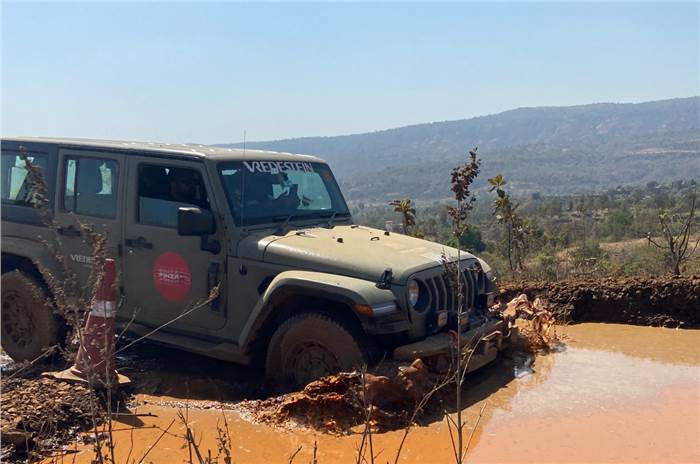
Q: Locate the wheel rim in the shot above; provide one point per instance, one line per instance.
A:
(311, 360)
(17, 322)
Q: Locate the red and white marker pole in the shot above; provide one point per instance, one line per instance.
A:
(95, 360)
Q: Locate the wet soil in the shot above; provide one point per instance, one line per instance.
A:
(658, 301)
(633, 390)
(615, 394)
(39, 415)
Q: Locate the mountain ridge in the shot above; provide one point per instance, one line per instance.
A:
(595, 145)
(414, 125)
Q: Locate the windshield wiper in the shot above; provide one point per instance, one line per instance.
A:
(329, 224)
(285, 220)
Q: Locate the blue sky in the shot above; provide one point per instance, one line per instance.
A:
(205, 72)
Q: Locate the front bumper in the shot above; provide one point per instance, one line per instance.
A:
(487, 339)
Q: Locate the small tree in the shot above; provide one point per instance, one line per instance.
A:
(676, 236)
(407, 211)
(517, 228)
(462, 179)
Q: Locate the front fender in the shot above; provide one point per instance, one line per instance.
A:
(348, 290)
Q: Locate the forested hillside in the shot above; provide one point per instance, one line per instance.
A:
(545, 149)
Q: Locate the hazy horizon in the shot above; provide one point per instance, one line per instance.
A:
(382, 129)
(207, 72)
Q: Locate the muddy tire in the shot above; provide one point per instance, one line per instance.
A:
(28, 325)
(309, 346)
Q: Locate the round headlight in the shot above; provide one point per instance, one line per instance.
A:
(413, 292)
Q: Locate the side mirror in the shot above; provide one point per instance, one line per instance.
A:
(195, 221)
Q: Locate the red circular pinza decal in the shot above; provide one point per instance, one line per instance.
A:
(171, 276)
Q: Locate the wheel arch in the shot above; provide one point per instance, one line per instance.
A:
(29, 256)
(13, 262)
(295, 292)
(291, 301)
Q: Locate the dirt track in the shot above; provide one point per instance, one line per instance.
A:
(616, 393)
(660, 301)
(45, 408)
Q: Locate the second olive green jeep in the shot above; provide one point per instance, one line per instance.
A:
(300, 287)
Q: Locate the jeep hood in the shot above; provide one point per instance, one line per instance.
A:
(355, 251)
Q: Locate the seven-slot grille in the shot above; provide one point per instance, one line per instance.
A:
(442, 296)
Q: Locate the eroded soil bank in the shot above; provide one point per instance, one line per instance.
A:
(658, 301)
(614, 394)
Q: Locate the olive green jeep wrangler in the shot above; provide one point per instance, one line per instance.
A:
(301, 289)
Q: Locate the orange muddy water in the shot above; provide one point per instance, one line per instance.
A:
(615, 394)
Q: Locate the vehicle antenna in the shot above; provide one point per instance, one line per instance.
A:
(243, 179)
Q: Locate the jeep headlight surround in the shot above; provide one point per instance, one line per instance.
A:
(413, 292)
(488, 270)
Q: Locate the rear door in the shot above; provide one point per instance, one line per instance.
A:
(91, 186)
(168, 277)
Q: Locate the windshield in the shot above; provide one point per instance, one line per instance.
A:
(276, 191)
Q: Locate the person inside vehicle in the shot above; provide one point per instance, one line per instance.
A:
(288, 198)
(186, 187)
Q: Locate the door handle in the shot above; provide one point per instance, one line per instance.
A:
(69, 231)
(138, 242)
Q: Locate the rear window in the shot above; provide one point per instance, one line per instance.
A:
(91, 186)
(15, 185)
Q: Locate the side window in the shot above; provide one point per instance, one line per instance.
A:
(91, 186)
(15, 185)
(164, 189)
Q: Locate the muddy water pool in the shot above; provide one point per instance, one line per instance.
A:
(616, 393)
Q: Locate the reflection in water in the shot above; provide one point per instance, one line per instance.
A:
(5, 360)
(671, 346)
(523, 365)
(616, 394)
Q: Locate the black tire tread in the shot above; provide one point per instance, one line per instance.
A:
(46, 326)
(347, 343)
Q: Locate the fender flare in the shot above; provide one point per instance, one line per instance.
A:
(34, 251)
(350, 291)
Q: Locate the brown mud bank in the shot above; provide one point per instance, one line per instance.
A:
(657, 301)
(617, 393)
(337, 403)
(168, 380)
(38, 415)
(396, 395)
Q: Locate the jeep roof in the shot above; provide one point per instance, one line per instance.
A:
(176, 150)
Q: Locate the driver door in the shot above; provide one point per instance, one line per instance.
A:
(167, 277)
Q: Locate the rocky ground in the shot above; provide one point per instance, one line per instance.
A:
(41, 414)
